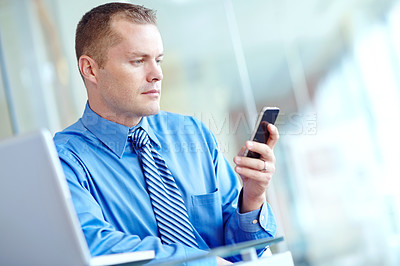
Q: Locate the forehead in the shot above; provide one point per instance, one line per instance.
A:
(134, 35)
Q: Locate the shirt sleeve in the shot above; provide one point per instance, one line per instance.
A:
(101, 236)
(240, 227)
(254, 221)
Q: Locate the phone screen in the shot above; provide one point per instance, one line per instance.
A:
(267, 116)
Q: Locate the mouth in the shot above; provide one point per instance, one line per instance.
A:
(152, 92)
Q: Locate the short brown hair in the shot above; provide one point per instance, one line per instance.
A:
(94, 34)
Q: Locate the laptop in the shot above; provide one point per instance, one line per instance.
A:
(38, 223)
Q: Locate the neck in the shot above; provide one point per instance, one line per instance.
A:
(125, 119)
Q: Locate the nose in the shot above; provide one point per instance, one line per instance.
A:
(154, 73)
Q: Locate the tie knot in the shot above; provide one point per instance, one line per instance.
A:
(140, 138)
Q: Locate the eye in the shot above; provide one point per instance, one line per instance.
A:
(159, 60)
(138, 61)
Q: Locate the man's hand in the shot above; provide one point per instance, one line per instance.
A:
(255, 179)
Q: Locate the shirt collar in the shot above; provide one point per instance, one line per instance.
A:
(111, 134)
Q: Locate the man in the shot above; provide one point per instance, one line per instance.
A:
(125, 192)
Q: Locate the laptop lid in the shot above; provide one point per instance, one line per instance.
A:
(38, 223)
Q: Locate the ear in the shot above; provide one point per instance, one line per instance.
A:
(88, 68)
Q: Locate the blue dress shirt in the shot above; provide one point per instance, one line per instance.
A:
(109, 190)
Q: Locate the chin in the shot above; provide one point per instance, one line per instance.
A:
(153, 110)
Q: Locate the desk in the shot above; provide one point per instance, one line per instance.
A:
(280, 259)
(248, 252)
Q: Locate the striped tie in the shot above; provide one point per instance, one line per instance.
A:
(168, 206)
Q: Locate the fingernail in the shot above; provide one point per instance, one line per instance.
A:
(238, 169)
(250, 144)
(237, 159)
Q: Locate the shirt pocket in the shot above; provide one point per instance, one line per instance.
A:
(207, 216)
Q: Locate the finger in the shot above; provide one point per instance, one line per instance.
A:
(266, 153)
(256, 164)
(273, 136)
(255, 175)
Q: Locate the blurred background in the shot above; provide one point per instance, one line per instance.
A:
(333, 68)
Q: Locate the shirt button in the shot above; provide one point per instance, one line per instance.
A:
(262, 218)
(254, 221)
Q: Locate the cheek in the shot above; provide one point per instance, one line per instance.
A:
(122, 82)
(112, 80)
(127, 76)
(107, 80)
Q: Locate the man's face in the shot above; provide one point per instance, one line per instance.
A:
(129, 84)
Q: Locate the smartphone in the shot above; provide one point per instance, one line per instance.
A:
(267, 116)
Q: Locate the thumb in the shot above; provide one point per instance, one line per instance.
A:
(242, 150)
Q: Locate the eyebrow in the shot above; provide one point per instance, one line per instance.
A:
(140, 54)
